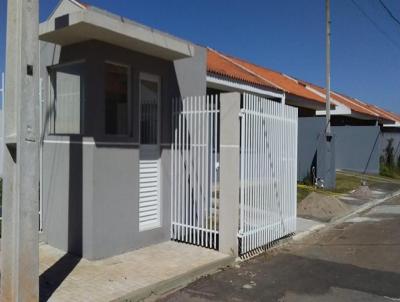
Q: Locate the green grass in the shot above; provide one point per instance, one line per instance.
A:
(345, 182)
(390, 172)
(303, 191)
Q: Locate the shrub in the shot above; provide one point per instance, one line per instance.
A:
(389, 165)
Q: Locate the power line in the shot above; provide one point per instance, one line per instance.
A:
(389, 12)
(377, 27)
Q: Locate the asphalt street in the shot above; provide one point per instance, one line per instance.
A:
(358, 260)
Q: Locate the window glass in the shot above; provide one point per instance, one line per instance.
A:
(116, 97)
(67, 95)
(149, 112)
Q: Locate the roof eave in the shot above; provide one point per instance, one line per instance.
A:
(224, 82)
(88, 24)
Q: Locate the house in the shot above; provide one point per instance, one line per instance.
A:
(358, 128)
(135, 127)
(107, 86)
(130, 118)
(226, 73)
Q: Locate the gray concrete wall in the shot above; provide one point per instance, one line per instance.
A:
(310, 133)
(91, 188)
(357, 148)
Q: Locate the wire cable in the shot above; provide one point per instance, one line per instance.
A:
(362, 11)
(389, 12)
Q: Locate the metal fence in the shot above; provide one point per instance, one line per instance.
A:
(268, 172)
(194, 191)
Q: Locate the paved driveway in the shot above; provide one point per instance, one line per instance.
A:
(355, 261)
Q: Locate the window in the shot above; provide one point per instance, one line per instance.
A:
(116, 97)
(149, 111)
(67, 99)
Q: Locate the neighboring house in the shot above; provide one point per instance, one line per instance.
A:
(226, 73)
(357, 127)
(361, 132)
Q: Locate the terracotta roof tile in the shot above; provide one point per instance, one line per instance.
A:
(235, 68)
(342, 99)
(242, 70)
(219, 65)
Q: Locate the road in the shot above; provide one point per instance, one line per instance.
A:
(358, 260)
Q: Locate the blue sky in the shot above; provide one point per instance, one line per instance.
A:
(285, 35)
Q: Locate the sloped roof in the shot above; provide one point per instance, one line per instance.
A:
(359, 106)
(354, 105)
(238, 69)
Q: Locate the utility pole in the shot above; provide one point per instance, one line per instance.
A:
(328, 68)
(20, 253)
(326, 167)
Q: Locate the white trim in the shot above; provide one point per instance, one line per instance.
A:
(78, 4)
(231, 84)
(339, 110)
(89, 143)
(148, 148)
(396, 125)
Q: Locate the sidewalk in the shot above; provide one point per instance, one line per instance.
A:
(380, 194)
(354, 260)
(128, 277)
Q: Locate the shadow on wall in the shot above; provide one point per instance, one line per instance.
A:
(52, 278)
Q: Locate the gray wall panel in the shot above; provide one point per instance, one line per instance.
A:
(357, 148)
(102, 179)
(310, 130)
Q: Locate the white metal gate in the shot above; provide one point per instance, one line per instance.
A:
(194, 196)
(268, 172)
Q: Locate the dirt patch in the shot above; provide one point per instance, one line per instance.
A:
(321, 207)
(362, 192)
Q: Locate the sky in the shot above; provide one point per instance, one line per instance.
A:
(284, 35)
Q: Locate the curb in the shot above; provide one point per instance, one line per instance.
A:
(154, 291)
(363, 208)
(304, 234)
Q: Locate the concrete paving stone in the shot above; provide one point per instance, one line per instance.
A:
(67, 278)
